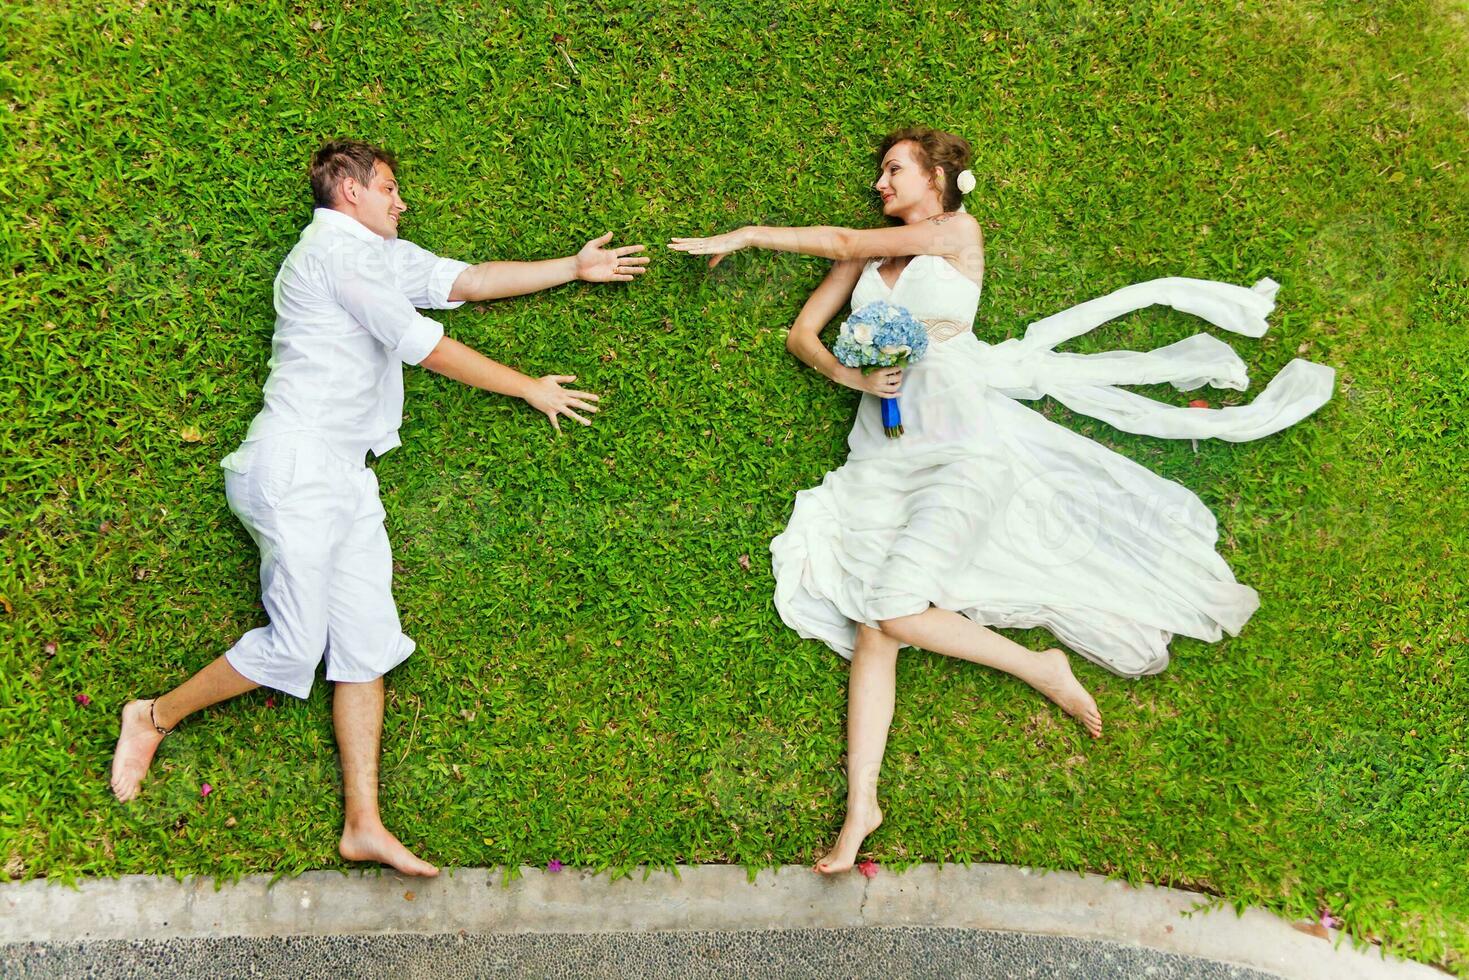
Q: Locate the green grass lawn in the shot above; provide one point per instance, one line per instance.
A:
(600, 678)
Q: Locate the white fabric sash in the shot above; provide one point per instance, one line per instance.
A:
(1027, 368)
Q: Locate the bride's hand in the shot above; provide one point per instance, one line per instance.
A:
(883, 383)
(716, 247)
(546, 395)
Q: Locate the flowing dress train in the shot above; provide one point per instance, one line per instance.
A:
(986, 507)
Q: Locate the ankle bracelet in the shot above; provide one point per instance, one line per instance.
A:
(154, 719)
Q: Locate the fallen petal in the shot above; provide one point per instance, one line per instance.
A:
(868, 869)
(1311, 929)
(205, 790)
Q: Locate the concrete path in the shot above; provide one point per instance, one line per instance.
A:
(878, 952)
(984, 920)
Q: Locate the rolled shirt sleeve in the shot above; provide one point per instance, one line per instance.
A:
(424, 277)
(368, 291)
(419, 342)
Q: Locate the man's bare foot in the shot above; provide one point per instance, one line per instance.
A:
(136, 743)
(1055, 680)
(375, 843)
(861, 821)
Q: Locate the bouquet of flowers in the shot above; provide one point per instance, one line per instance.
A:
(881, 335)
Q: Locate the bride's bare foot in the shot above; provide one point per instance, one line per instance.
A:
(136, 743)
(374, 843)
(861, 821)
(1055, 680)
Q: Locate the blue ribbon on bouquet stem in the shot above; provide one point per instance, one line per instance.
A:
(892, 419)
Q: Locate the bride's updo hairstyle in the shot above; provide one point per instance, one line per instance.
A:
(935, 148)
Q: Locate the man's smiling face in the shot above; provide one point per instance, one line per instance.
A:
(377, 205)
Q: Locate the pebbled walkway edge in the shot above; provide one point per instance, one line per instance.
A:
(721, 898)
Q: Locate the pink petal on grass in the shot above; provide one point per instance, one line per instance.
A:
(270, 702)
(1329, 921)
(205, 790)
(83, 700)
(868, 869)
(554, 865)
(1199, 403)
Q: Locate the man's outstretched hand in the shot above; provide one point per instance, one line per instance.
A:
(455, 360)
(595, 263)
(546, 395)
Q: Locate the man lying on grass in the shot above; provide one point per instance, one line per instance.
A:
(346, 319)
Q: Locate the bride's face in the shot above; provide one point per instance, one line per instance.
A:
(903, 183)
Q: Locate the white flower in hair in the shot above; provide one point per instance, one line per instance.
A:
(965, 181)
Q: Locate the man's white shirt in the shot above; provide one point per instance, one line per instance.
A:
(347, 320)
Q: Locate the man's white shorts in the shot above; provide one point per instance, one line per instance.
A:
(326, 570)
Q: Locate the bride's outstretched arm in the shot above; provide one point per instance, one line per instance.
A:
(950, 234)
(804, 340)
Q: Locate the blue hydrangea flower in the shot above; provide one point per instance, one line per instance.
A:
(879, 335)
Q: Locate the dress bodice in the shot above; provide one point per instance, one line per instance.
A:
(930, 288)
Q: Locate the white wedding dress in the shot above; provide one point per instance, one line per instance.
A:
(987, 508)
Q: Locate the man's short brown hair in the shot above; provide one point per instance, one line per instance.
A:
(339, 159)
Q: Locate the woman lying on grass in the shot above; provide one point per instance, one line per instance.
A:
(981, 512)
